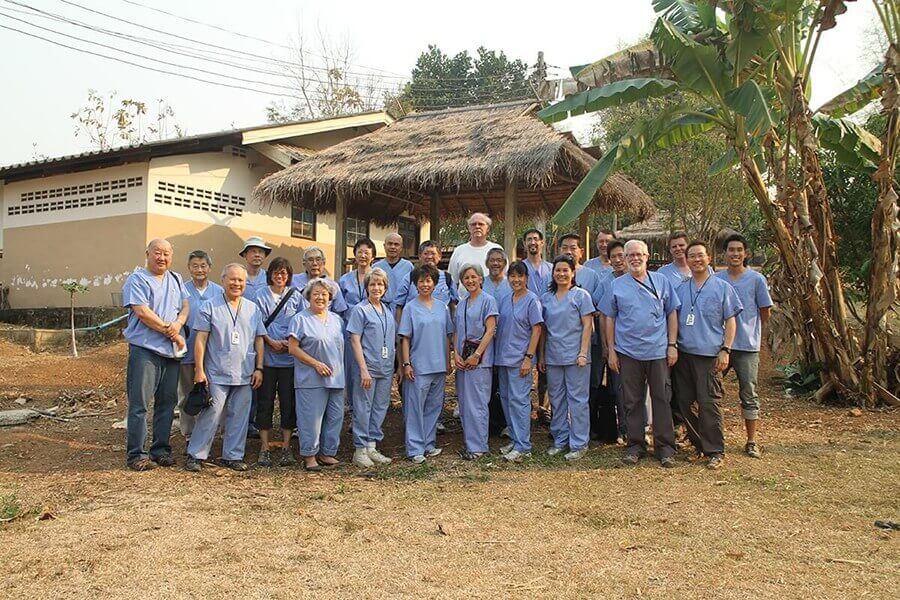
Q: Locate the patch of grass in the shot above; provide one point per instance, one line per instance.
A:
(406, 473)
(10, 508)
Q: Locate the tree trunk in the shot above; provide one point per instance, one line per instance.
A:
(72, 323)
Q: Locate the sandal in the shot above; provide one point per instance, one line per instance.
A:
(327, 461)
(312, 467)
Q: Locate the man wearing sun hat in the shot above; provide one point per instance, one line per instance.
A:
(254, 253)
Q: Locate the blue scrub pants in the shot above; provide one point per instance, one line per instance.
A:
(474, 390)
(150, 376)
(320, 414)
(569, 389)
(423, 400)
(349, 365)
(515, 396)
(231, 402)
(369, 409)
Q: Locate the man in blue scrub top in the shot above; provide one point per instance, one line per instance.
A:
(255, 252)
(642, 331)
(314, 265)
(158, 309)
(396, 267)
(539, 271)
(753, 290)
(706, 327)
(229, 352)
(600, 263)
(444, 287)
(677, 270)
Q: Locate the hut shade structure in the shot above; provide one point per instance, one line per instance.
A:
(497, 159)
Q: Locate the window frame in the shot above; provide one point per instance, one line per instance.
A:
(314, 223)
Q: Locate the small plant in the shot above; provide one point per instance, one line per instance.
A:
(799, 379)
(10, 508)
(73, 287)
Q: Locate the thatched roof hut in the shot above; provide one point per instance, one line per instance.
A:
(495, 159)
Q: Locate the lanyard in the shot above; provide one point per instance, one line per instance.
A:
(383, 323)
(234, 316)
(650, 288)
(697, 297)
(466, 318)
(359, 287)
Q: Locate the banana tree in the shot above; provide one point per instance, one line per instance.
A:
(748, 62)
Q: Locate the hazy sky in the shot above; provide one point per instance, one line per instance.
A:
(44, 84)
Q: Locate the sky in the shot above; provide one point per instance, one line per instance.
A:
(45, 84)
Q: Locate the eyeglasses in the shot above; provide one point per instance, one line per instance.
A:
(314, 259)
(640, 254)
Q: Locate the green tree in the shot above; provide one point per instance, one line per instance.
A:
(748, 63)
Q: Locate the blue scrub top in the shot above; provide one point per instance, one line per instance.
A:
(427, 330)
(228, 363)
(278, 329)
(587, 280)
(338, 304)
(640, 314)
(162, 297)
(562, 321)
(753, 291)
(377, 331)
(322, 341)
(471, 316)
(353, 290)
(675, 276)
(539, 278)
(196, 300)
(255, 284)
(514, 324)
(711, 304)
(597, 267)
(442, 292)
(498, 291)
(397, 275)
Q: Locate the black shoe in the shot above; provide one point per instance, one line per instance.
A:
(631, 458)
(234, 465)
(192, 464)
(252, 432)
(668, 462)
(167, 460)
(265, 459)
(287, 458)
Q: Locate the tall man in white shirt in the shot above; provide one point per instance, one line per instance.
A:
(475, 250)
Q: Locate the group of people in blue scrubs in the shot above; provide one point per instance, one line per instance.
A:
(608, 329)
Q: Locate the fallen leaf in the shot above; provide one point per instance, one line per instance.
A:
(443, 528)
(549, 504)
(630, 548)
(46, 515)
(735, 555)
(853, 412)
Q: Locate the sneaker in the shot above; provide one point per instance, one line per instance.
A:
(234, 465)
(631, 458)
(287, 458)
(553, 451)
(466, 455)
(620, 441)
(433, 452)
(505, 432)
(576, 454)
(752, 450)
(667, 462)
(361, 458)
(377, 457)
(166, 460)
(715, 461)
(418, 459)
(515, 456)
(142, 464)
(192, 464)
(506, 449)
(265, 459)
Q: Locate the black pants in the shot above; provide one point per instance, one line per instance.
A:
(496, 418)
(635, 376)
(280, 380)
(697, 390)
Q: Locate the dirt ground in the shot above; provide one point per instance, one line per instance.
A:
(797, 524)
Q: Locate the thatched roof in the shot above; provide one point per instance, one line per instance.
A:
(466, 155)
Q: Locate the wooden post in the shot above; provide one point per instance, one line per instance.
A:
(509, 219)
(435, 220)
(585, 232)
(340, 235)
(615, 223)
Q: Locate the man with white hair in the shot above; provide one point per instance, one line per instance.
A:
(642, 333)
(158, 308)
(475, 250)
(229, 351)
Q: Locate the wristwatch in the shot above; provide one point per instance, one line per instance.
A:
(529, 356)
(673, 345)
(725, 349)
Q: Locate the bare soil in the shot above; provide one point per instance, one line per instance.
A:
(797, 524)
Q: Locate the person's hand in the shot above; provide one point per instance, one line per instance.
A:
(613, 360)
(525, 368)
(256, 379)
(581, 361)
(172, 329)
(178, 340)
(408, 373)
(458, 362)
(199, 375)
(284, 346)
(472, 361)
(722, 361)
(323, 369)
(365, 379)
(671, 356)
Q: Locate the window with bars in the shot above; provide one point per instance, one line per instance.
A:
(303, 223)
(357, 229)
(409, 231)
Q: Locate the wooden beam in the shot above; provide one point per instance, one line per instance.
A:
(435, 218)
(340, 234)
(585, 232)
(509, 218)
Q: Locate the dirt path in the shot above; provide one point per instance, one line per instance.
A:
(797, 524)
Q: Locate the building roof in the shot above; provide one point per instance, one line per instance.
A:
(206, 142)
(465, 154)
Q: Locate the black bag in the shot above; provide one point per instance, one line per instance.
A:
(469, 348)
(197, 400)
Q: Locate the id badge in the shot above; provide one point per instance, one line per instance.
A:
(235, 338)
(384, 352)
(690, 319)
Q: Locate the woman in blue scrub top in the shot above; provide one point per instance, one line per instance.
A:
(518, 333)
(565, 356)
(426, 332)
(372, 332)
(353, 289)
(316, 341)
(476, 322)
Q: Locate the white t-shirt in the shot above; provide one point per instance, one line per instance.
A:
(465, 254)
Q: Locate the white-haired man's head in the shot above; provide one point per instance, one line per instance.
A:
(159, 256)
(234, 280)
(636, 255)
(479, 226)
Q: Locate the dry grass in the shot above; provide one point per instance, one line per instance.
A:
(797, 524)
